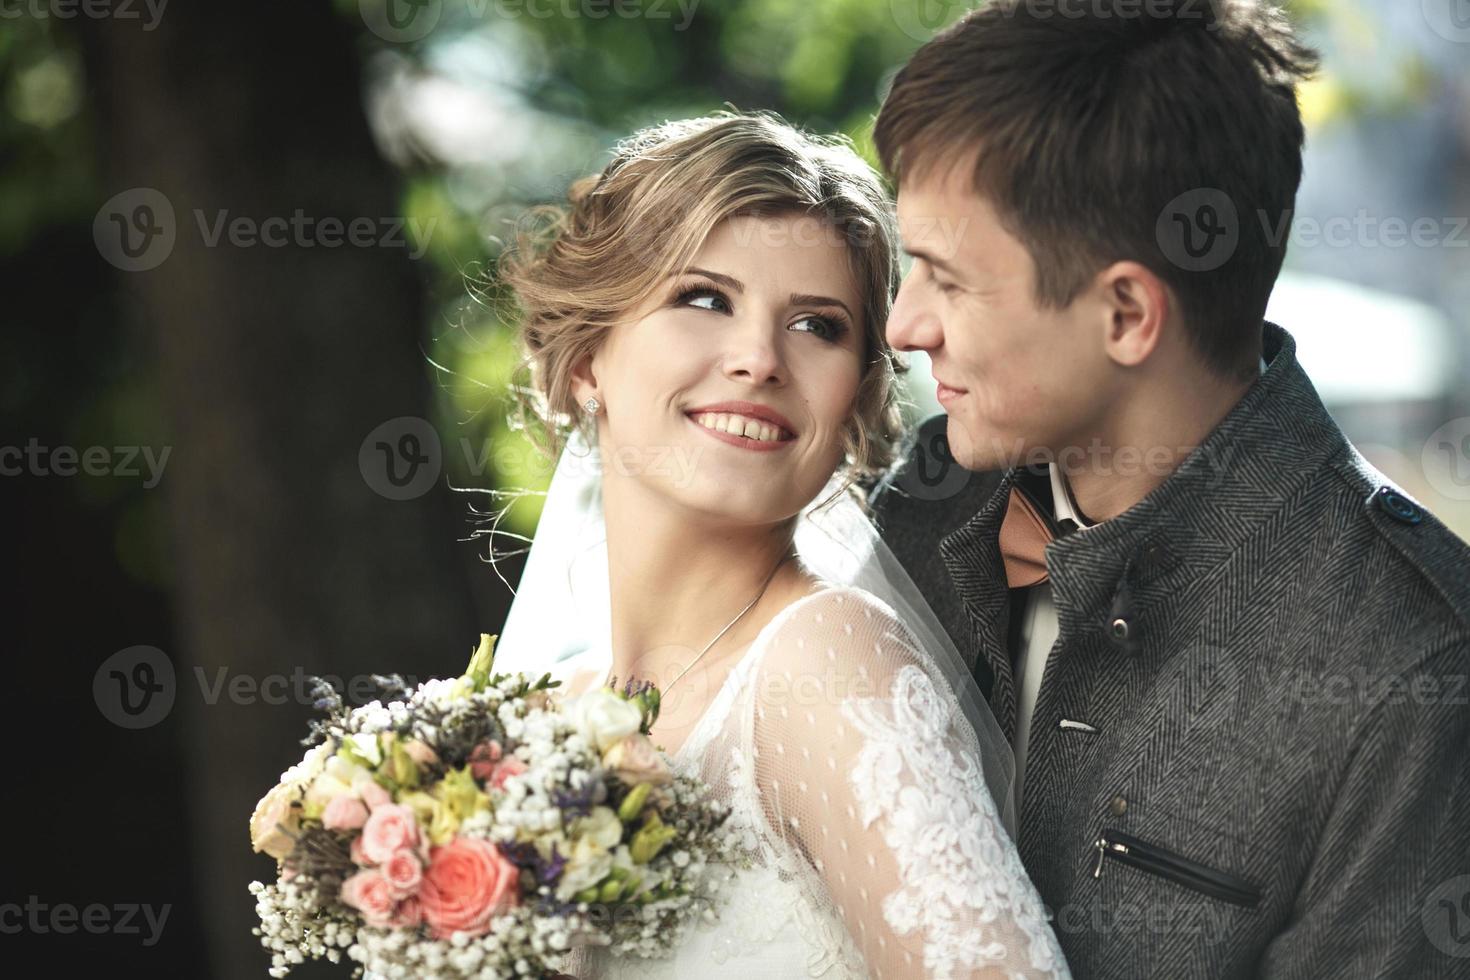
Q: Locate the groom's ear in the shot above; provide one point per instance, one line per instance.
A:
(1135, 306)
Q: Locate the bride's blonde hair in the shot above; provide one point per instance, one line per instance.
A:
(575, 270)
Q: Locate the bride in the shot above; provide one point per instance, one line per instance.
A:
(704, 327)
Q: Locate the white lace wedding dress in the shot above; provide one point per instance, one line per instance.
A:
(872, 845)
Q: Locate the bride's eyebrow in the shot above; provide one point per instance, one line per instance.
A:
(797, 299)
(807, 299)
(719, 277)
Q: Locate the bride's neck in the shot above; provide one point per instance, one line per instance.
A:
(676, 579)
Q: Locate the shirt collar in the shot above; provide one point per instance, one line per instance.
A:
(1061, 497)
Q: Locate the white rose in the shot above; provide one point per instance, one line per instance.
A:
(366, 745)
(310, 766)
(587, 864)
(601, 826)
(338, 776)
(605, 719)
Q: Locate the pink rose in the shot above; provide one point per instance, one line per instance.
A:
(636, 760)
(408, 914)
(370, 894)
(345, 812)
(483, 758)
(404, 872)
(358, 858)
(389, 828)
(374, 795)
(504, 769)
(467, 883)
(420, 753)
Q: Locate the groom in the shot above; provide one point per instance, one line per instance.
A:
(1230, 655)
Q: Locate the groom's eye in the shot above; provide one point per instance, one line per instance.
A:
(703, 298)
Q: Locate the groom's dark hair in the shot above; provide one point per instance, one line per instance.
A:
(1110, 130)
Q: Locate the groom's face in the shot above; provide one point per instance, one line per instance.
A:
(1014, 378)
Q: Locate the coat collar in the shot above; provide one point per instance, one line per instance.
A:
(1269, 444)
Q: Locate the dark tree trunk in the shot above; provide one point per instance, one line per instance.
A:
(276, 363)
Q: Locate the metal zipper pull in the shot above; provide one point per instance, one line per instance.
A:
(1104, 845)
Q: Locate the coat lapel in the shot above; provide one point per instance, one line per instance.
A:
(973, 560)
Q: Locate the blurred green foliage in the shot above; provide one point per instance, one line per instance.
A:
(545, 86)
(824, 66)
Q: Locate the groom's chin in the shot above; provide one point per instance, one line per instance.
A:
(969, 449)
(982, 450)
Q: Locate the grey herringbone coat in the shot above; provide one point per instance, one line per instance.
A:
(1273, 751)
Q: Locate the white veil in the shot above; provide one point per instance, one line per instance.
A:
(561, 606)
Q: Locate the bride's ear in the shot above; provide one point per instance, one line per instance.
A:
(584, 380)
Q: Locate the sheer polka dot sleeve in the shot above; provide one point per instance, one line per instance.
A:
(868, 773)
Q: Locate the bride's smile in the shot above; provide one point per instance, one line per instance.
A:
(744, 424)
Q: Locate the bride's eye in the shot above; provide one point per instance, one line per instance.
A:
(703, 298)
(828, 328)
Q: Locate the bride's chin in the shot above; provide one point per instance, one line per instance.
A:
(715, 504)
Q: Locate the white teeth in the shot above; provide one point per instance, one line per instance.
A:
(739, 425)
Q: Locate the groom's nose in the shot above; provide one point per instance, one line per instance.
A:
(911, 324)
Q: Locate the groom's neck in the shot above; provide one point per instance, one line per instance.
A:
(1144, 438)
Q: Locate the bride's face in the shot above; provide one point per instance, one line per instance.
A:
(727, 393)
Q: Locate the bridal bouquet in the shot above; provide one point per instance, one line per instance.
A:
(483, 827)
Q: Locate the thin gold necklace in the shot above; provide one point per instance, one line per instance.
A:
(728, 626)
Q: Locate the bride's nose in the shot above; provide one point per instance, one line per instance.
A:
(753, 355)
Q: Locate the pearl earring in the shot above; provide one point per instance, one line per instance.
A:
(592, 405)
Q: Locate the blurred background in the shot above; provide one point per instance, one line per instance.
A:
(245, 375)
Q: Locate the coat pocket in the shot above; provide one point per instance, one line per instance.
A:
(1114, 845)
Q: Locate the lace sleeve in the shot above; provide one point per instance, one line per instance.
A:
(866, 769)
